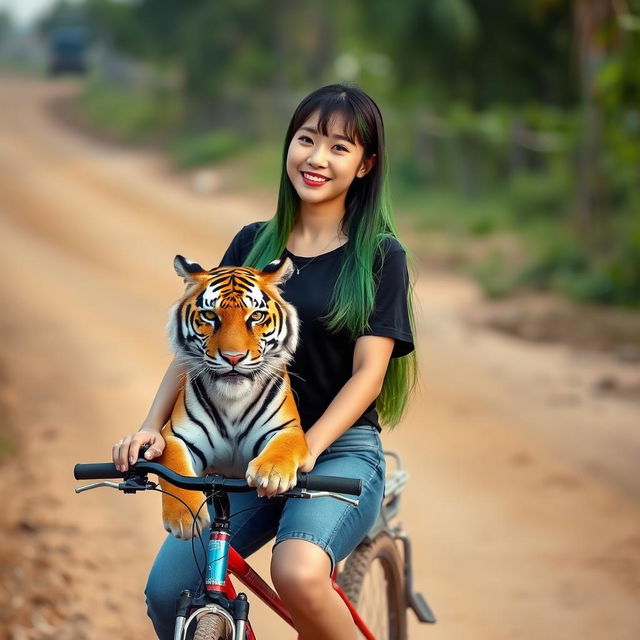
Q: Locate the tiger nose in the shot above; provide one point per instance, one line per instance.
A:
(232, 358)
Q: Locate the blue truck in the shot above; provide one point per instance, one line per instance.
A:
(68, 50)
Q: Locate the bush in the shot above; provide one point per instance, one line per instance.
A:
(130, 116)
(543, 193)
(206, 149)
(623, 268)
(495, 276)
(557, 257)
(563, 265)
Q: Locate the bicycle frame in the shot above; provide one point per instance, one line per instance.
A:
(222, 562)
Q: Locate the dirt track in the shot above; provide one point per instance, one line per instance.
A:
(524, 497)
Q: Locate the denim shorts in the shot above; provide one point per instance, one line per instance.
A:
(333, 525)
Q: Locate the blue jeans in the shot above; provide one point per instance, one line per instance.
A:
(335, 526)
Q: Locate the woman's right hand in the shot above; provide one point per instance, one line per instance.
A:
(125, 452)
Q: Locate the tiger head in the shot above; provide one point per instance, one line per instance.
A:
(233, 324)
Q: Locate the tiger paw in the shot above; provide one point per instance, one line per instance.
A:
(271, 477)
(178, 521)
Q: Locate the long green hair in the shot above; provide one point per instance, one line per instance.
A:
(367, 222)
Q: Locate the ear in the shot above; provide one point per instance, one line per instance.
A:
(367, 165)
(279, 270)
(189, 271)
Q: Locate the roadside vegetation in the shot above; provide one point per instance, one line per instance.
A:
(514, 133)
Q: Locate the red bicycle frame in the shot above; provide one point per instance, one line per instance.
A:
(240, 568)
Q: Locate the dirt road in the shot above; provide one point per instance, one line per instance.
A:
(524, 494)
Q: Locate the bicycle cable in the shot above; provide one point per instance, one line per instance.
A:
(195, 528)
(231, 516)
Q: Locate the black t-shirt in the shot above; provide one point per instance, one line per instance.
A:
(323, 360)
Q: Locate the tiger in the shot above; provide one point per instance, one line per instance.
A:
(234, 334)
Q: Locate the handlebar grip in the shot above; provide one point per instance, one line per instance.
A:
(96, 471)
(351, 486)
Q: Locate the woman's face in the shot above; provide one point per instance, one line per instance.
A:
(321, 168)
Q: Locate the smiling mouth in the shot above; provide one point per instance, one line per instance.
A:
(314, 180)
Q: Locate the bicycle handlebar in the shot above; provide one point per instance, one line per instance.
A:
(101, 470)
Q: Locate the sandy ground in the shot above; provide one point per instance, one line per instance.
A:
(523, 502)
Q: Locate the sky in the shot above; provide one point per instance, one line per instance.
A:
(23, 12)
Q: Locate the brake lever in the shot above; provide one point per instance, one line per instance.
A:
(95, 485)
(130, 485)
(308, 495)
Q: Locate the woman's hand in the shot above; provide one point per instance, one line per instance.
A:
(308, 463)
(125, 452)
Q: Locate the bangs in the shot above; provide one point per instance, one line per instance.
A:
(328, 116)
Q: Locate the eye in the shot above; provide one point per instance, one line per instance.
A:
(339, 147)
(209, 315)
(306, 139)
(258, 316)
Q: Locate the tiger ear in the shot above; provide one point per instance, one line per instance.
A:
(279, 270)
(191, 272)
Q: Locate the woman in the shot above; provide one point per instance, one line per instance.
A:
(355, 360)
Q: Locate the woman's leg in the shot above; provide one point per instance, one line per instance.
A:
(315, 534)
(173, 570)
(301, 574)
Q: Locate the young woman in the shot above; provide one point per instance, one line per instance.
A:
(353, 369)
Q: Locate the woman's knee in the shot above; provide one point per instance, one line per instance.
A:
(159, 595)
(301, 574)
(161, 604)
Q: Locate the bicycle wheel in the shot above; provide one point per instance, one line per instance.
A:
(211, 627)
(373, 580)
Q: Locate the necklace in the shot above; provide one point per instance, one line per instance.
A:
(322, 252)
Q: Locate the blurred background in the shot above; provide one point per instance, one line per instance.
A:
(523, 120)
(134, 130)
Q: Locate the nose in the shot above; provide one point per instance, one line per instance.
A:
(232, 358)
(318, 157)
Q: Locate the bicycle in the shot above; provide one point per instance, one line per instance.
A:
(376, 581)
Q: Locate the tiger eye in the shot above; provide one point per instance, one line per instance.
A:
(257, 315)
(208, 315)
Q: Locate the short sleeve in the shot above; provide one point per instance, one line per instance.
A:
(390, 316)
(238, 250)
(231, 257)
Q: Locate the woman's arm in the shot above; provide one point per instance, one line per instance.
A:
(126, 451)
(370, 360)
(165, 398)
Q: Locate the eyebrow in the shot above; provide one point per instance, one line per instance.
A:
(337, 136)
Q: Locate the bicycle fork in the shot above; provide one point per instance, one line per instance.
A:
(214, 600)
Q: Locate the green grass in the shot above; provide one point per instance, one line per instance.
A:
(130, 116)
(206, 149)
(259, 167)
(437, 209)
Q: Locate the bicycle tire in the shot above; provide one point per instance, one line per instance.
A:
(373, 580)
(211, 627)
